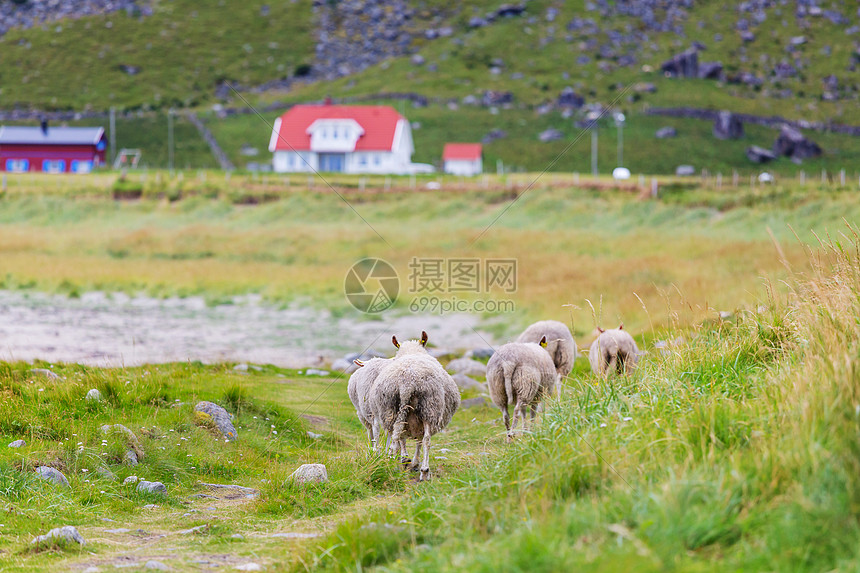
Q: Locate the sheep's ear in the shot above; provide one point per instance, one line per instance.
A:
(621, 327)
(424, 338)
(394, 341)
(600, 330)
(358, 362)
(543, 342)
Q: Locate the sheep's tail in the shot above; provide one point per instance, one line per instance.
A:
(508, 372)
(400, 419)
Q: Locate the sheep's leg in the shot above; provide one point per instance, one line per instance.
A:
(425, 462)
(518, 412)
(404, 455)
(534, 411)
(414, 465)
(507, 418)
(374, 434)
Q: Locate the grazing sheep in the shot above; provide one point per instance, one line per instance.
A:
(358, 388)
(559, 343)
(414, 397)
(520, 373)
(613, 351)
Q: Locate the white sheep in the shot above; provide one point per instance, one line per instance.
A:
(520, 373)
(358, 388)
(559, 343)
(414, 397)
(613, 351)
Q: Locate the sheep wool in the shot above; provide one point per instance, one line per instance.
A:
(522, 374)
(358, 388)
(414, 397)
(559, 343)
(613, 351)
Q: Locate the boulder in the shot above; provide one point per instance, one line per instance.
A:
(309, 473)
(728, 126)
(152, 487)
(465, 383)
(17, 444)
(758, 154)
(666, 132)
(550, 134)
(494, 135)
(480, 353)
(219, 416)
(747, 36)
(792, 143)
(45, 373)
(130, 480)
(467, 366)
(130, 70)
(60, 536)
(711, 70)
(156, 566)
(569, 98)
(685, 170)
(94, 395)
(343, 365)
(684, 65)
(493, 97)
(51, 474)
(130, 438)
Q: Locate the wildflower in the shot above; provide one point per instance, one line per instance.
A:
(627, 418)
(603, 425)
(85, 470)
(274, 432)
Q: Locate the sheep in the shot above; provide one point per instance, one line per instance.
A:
(358, 388)
(613, 351)
(559, 343)
(520, 373)
(414, 397)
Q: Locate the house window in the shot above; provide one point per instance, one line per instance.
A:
(377, 159)
(362, 160)
(290, 160)
(82, 166)
(53, 165)
(17, 165)
(334, 133)
(324, 133)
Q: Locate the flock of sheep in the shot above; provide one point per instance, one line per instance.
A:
(412, 396)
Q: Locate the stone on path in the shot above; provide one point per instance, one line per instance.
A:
(220, 417)
(60, 536)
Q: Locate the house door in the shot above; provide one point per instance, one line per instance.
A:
(333, 162)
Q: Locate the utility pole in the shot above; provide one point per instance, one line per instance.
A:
(112, 135)
(170, 140)
(593, 117)
(619, 122)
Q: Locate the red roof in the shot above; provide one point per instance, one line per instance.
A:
(462, 151)
(378, 121)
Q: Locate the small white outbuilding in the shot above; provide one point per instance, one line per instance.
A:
(463, 158)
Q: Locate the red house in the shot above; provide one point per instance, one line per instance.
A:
(51, 150)
(463, 158)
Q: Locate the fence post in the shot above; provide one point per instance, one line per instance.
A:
(719, 181)
(802, 177)
(842, 177)
(734, 177)
(654, 189)
(576, 178)
(824, 176)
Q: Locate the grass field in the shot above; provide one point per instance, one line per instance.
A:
(735, 450)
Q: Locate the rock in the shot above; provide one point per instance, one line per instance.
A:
(106, 473)
(510, 10)
(307, 473)
(645, 87)
(130, 458)
(232, 491)
(439, 353)
(17, 444)
(45, 373)
(792, 143)
(784, 70)
(220, 416)
(569, 98)
(60, 536)
(156, 566)
(345, 366)
(494, 135)
(130, 438)
(152, 487)
(264, 10)
(94, 395)
(50, 474)
(467, 366)
(728, 126)
(237, 536)
(477, 22)
(193, 530)
(747, 36)
(151, 506)
(118, 530)
(417, 60)
(550, 134)
(684, 65)
(316, 372)
(797, 41)
(314, 436)
(243, 367)
(248, 567)
(130, 480)
(685, 170)
(758, 154)
(480, 353)
(465, 383)
(130, 70)
(473, 402)
(666, 133)
(493, 98)
(711, 70)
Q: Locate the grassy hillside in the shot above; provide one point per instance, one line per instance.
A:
(735, 450)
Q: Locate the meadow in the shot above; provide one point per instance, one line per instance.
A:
(732, 448)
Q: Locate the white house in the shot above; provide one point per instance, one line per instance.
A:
(342, 138)
(463, 158)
